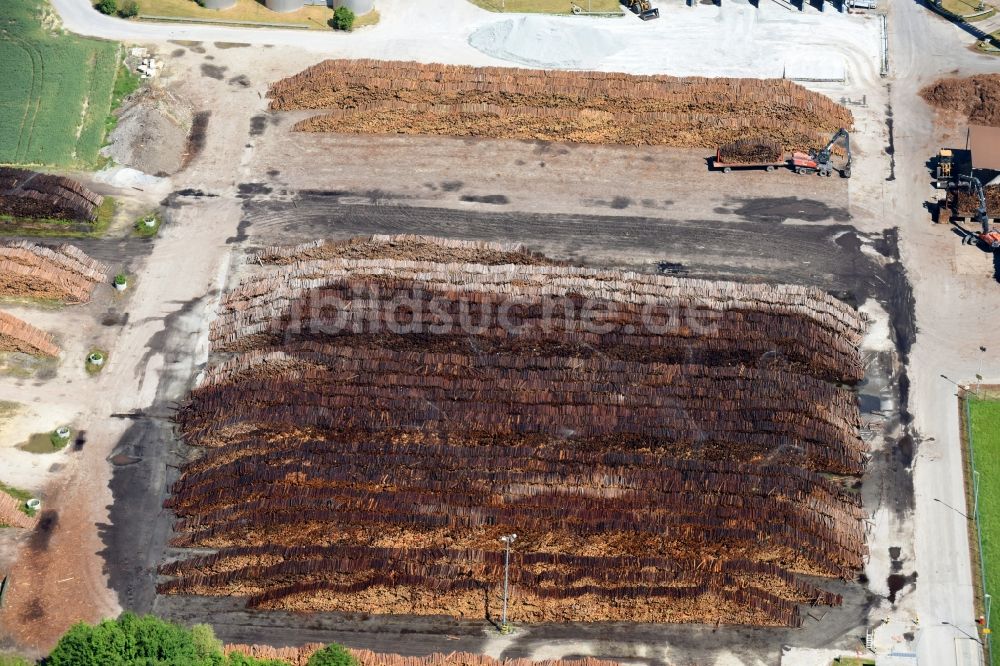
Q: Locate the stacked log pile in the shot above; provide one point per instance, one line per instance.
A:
(19, 336)
(375, 97)
(299, 656)
(62, 273)
(29, 194)
(11, 514)
(655, 473)
(750, 150)
(401, 246)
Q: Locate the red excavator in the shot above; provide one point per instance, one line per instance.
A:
(644, 8)
(989, 236)
(819, 162)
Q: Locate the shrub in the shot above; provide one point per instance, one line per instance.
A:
(60, 439)
(343, 18)
(147, 225)
(108, 7)
(332, 655)
(130, 640)
(129, 9)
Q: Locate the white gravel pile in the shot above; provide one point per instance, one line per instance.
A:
(540, 41)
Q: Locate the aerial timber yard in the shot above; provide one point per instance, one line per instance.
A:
(473, 336)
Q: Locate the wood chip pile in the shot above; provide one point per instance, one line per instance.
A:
(967, 203)
(662, 447)
(62, 273)
(976, 98)
(376, 97)
(38, 195)
(19, 336)
(299, 656)
(750, 150)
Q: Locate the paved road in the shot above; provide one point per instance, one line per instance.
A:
(759, 42)
(951, 321)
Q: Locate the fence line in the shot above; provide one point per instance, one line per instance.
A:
(975, 517)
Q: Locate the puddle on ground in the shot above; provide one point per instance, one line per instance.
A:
(43, 530)
(39, 443)
(897, 582)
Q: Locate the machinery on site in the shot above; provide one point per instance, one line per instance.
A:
(987, 235)
(644, 8)
(949, 164)
(819, 162)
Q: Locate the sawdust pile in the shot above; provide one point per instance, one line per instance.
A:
(374, 97)
(29, 194)
(62, 273)
(19, 336)
(666, 450)
(977, 98)
(299, 656)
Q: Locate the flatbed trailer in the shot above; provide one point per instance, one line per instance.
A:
(726, 167)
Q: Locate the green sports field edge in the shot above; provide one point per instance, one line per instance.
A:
(980, 428)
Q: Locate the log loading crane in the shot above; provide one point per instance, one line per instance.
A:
(820, 162)
(644, 8)
(989, 236)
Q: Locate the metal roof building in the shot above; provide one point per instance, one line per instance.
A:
(984, 143)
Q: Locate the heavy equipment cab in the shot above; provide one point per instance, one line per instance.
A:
(820, 162)
(644, 8)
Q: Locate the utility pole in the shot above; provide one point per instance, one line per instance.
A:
(979, 375)
(507, 539)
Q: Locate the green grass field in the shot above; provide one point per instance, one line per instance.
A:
(55, 90)
(985, 426)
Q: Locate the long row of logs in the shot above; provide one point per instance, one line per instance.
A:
(294, 282)
(400, 246)
(651, 128)
(299, 656)
(19, 336)
(681, 407)
(28, 194)
(653, 332)
(62, 273)
(595, 107)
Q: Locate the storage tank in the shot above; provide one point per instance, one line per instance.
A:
(217, 4)
(359, 7)
(284, 5)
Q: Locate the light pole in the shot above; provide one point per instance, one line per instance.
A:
(507, 539)
(959, 386)
(979, 375)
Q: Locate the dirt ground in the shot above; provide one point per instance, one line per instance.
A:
(252, 183)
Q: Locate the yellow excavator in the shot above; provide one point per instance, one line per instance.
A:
(644, 8)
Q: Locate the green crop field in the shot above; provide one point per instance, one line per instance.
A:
(985, 420)
(55, 90)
